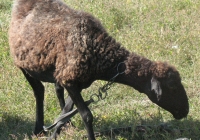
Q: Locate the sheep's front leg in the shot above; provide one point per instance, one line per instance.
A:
(38, 90)
(75, 94)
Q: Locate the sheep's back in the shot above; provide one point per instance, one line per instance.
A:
(51, 35)
(74, 43)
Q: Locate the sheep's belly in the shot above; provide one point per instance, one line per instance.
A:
(44, 76)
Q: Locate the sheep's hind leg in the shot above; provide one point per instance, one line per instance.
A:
(38, 90)
(60, 94)
(68, 107)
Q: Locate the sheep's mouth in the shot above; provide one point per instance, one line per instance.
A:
(180, 115)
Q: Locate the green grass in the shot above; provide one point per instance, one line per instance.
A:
(148, 27)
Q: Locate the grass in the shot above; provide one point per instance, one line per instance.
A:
(165, 30)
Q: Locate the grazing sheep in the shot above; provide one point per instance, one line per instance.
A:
(51, 42)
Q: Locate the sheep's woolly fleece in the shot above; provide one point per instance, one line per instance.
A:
(50, 35)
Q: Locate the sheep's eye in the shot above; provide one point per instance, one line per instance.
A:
(172, 87)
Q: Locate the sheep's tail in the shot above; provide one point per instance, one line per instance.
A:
(21, 8)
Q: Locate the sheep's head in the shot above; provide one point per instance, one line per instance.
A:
(165, 89)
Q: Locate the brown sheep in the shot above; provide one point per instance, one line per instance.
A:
(51, 42)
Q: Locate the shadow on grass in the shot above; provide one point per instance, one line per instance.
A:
(151, 129)
(15, 127)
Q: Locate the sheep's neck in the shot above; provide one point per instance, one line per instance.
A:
(137, 72)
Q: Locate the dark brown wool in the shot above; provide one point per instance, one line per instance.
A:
(73, 42)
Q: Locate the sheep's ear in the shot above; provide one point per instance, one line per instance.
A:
(155, 86)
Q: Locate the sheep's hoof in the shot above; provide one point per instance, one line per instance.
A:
(40, 134)
(69, 124)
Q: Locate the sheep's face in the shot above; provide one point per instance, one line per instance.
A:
(169, 93)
